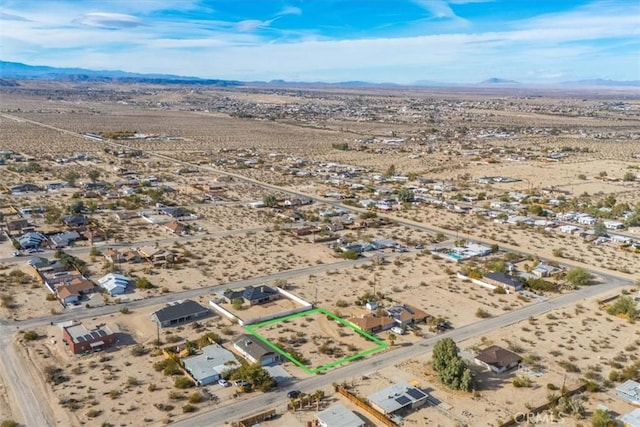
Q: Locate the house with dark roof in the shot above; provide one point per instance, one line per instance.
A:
(509, 283)
(252, 295)
(78, 339)
(75, 221)
(256, 351)
(174, 212)
(24, 188)
(179, 312)
(497, 359)
(19, 225)
(31, 240)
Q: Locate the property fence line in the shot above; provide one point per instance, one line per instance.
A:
(257, 418)
(531, 413)
(244, 322)
(364, 406)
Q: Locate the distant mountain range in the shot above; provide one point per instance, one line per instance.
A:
(16, 71)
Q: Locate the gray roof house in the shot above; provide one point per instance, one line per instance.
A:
(256, 351)
(398, 397)
(207, 367)
(629, 391)
(504, 280)
(339, 416)
(64, 239)
(253, 295)
(179, 312)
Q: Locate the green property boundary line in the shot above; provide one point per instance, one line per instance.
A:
(380, 345)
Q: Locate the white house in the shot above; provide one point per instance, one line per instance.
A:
(114, 284)
(613, 225)
(207, 367)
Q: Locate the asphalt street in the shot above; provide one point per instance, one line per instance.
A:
(34, 410)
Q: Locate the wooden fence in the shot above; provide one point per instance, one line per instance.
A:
(364, 406)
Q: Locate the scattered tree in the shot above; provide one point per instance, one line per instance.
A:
(93, 175)
(602, 418)
(405, 195)
(452, 370)
(270, 201)
(578, 277)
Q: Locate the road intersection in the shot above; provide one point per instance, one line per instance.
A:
(36, 411)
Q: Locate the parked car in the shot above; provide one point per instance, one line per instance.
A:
(294, 394)
(223, 382)
(419, 246)
(397, 330)
(16, 253)
(240, 383)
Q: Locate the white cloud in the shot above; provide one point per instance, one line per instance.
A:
(108, 20)
(562, 44)
(438, 8)
(291, 10)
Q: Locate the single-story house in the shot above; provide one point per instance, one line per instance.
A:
(253, 295)
(207, 368)
(156, 255)
(64, 239)
(24, 188)
(75, 221)
(18, 225)
(179, 312)
(31, 240)
(629, 391)
(174, 212)
(94, 234)
(406, 314)
(371, 323)
(545, 270)
(631, 419)
(339, 416)
(71, 293)
(176, 227)
(114, 283)
(398, 397)
(256, 351)
(126, 215)
(79, 339)
(497, 278)
(497, 359)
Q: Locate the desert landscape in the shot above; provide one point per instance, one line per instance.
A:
(481, 216)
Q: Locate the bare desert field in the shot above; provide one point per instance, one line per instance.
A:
(223, 179)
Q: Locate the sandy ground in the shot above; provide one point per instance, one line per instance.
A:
(117, 383)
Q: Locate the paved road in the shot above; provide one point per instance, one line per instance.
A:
(11, 365)
(236, 410)
(35, 411)
(189, 238)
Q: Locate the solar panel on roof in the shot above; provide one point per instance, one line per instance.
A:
(416, 394)
(80, 338)
(101, 333)
(403, 400)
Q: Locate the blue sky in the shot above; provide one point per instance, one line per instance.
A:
(401, 41)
